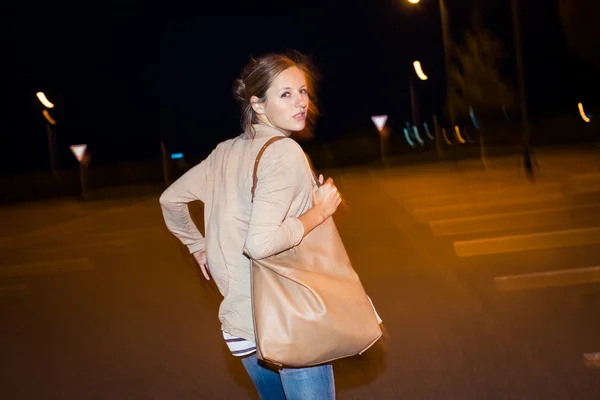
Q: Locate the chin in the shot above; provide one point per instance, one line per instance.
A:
(296, 126)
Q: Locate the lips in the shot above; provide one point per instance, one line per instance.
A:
(300, 116)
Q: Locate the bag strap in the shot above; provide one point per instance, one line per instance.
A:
(258, 157)
(260, 153)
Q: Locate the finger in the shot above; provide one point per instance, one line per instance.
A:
(321, 178)
(204, 269)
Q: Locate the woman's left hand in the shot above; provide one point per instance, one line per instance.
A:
(200, 257)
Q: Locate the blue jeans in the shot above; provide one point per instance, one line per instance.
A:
(291, 383)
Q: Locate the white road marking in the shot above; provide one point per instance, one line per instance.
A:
(533, 241)
(45, 268)
(565, 277)
(503, 221)
(483, 195)
(430, 213)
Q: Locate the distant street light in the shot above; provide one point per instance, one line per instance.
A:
(518, 56)
(419, 70)
(50, 120)
(49, 131)
(584, 116)
(446, 45)
(42, 97)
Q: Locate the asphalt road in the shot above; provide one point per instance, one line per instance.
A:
(105, 304)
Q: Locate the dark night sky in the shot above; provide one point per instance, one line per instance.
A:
(125, 78)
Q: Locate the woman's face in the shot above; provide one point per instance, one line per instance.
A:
(287, 102)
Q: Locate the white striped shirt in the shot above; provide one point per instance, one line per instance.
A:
(239, 347)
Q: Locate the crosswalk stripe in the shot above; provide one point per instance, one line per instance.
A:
(430, 213)
(533, 241)
(566, 277)
(503, 221)
(482, 195)
(44, 268)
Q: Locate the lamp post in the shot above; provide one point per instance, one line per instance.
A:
(520, 72)
(446, 45)
(518, 56)
(50, 122)
(413, 98)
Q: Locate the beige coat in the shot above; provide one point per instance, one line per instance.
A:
(223, 182)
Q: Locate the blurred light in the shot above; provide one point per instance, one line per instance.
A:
(582, 113)
(505, 112)
(79, 151)
(414, 1)
(427, 131)
(473, 119)
(448, 142)
(176, 156)
(419, 71)
(48, 117)
(417, 136)
(42, 97)
(410, 142)
(460, 138)
(379, 121)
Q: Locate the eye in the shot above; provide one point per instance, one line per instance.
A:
(285, 94)
(303, 91)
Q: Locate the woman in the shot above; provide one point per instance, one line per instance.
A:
(273, 92)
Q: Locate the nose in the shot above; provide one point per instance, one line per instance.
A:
(301, 101)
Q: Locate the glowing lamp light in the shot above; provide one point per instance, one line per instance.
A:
(42, 97)
(419, 71)
(448, 142)
(50, 120)
(414, 1)
(458, 136)
(584, 116)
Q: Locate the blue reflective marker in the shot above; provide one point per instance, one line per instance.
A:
(176, 156)
(427, 131)
(410, 142)
(589, 115)
(473, 119)
(417, 136)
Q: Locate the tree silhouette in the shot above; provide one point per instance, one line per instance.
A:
(475, 79)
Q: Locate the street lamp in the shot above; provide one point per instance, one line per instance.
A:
(419, 70)
(446, 46)
(49, 131)
(413, 102)
(518, 54)
(42, 97)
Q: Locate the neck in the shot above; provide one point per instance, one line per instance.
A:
(266, 122)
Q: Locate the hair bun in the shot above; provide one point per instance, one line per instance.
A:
(239, 91)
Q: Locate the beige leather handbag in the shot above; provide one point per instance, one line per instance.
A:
(308, 303)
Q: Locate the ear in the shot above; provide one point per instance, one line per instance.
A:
(257, 105)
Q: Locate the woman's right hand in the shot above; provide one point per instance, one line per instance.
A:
(327, 197)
